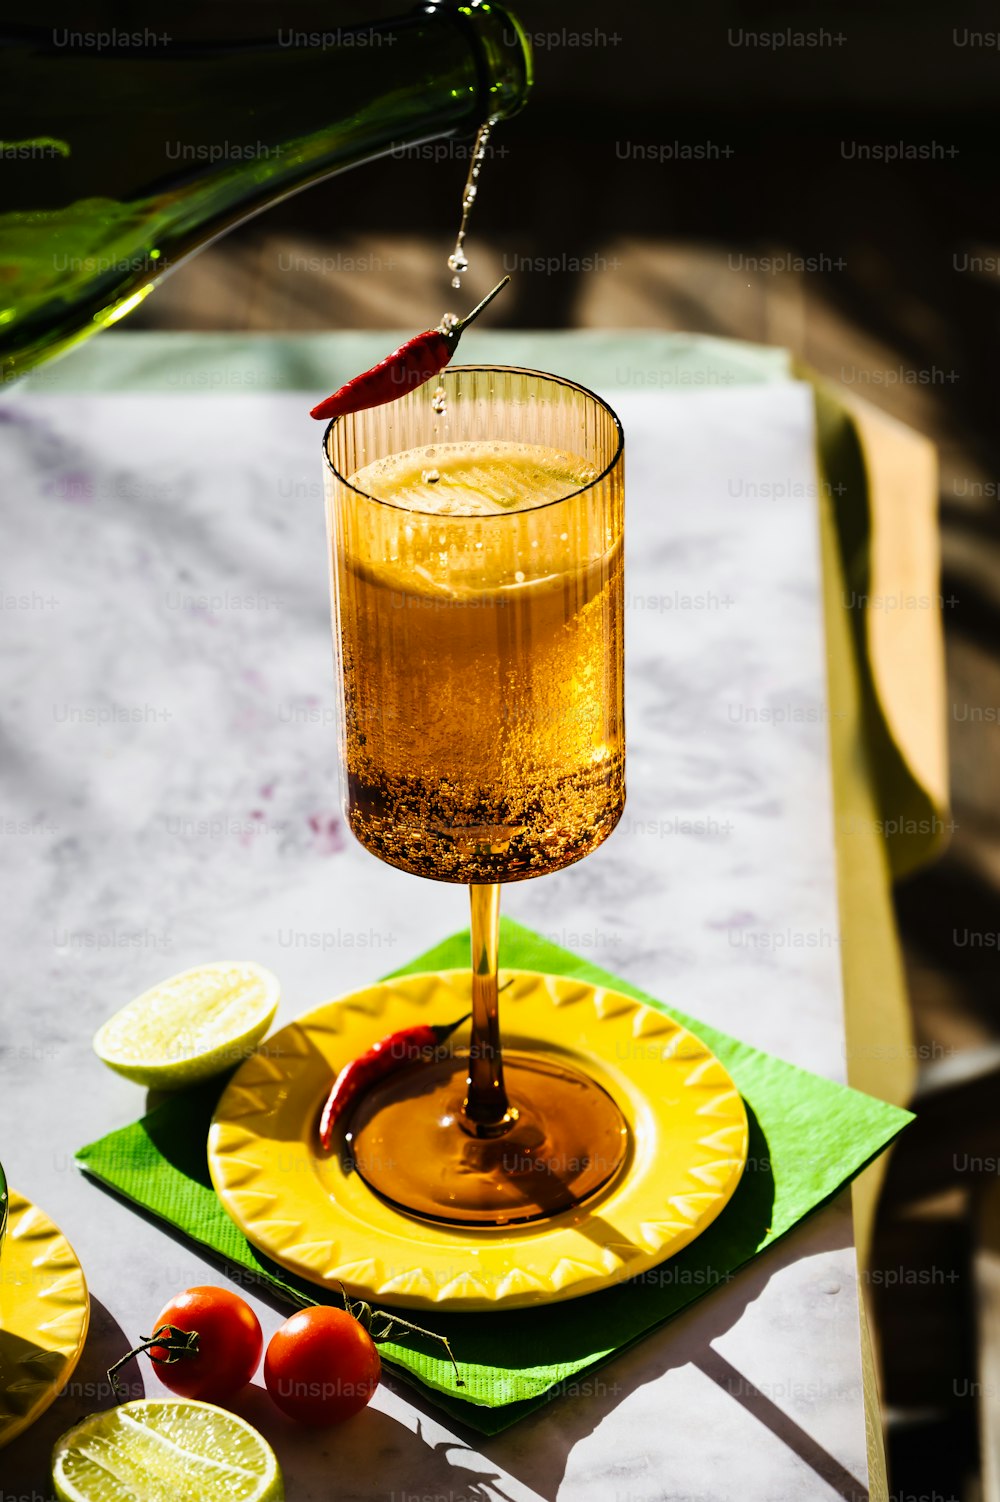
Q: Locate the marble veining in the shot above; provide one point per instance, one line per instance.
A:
(170, 795)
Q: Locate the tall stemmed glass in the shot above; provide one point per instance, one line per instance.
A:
(477, 605)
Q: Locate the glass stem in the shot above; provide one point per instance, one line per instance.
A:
(486, 1109)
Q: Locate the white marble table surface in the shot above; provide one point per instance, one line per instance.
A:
(169, 795)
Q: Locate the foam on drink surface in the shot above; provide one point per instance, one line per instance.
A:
(483, 478)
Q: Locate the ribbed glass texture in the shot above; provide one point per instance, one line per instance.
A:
(480, 657)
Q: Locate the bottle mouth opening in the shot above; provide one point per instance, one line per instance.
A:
(503, 53)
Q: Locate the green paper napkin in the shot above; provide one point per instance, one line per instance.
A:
(808, 1137)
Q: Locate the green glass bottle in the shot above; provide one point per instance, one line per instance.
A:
(124, 152)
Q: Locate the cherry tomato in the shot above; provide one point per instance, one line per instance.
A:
(321, 1366)
(229, 1344)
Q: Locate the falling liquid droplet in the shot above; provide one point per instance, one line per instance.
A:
(458, 261)
(430, 476)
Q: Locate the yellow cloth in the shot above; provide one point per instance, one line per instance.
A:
(885, 665)
(882, 489)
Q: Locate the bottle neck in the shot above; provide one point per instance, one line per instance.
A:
(437, 73)
(132, 155)
(268, 116)
(502, 52)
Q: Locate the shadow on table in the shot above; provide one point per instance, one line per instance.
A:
(373, 1455)
(537, 1450)
(25, 1462)
(615, 1321)
(548, 1433)
(784, 1428)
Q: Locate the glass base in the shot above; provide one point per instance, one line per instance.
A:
(568, 1140)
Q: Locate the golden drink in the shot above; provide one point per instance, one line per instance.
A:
(480, 625)
(476, 572)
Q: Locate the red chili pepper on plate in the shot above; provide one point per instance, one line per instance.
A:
(411, 365)
(381, 1059)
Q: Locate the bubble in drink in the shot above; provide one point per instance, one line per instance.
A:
(439, 401)
(477, 479)
(429, 476)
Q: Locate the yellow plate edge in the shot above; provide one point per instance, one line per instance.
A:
(27, 1226)
(246, 1166)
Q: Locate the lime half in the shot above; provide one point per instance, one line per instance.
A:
(192, 1026)
(165, 1451)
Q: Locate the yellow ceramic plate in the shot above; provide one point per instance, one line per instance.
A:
(44, 1313)
(685, 1115)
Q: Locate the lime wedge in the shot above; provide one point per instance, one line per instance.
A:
(192, 1026)
(159, 1450)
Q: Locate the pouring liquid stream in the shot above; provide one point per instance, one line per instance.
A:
(458, 261)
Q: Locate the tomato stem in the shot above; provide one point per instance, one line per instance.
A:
(179, 1346)
(394, 1320)
(364, 1314)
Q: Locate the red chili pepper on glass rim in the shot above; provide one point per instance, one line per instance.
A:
(382, 1058)
(411, 365)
